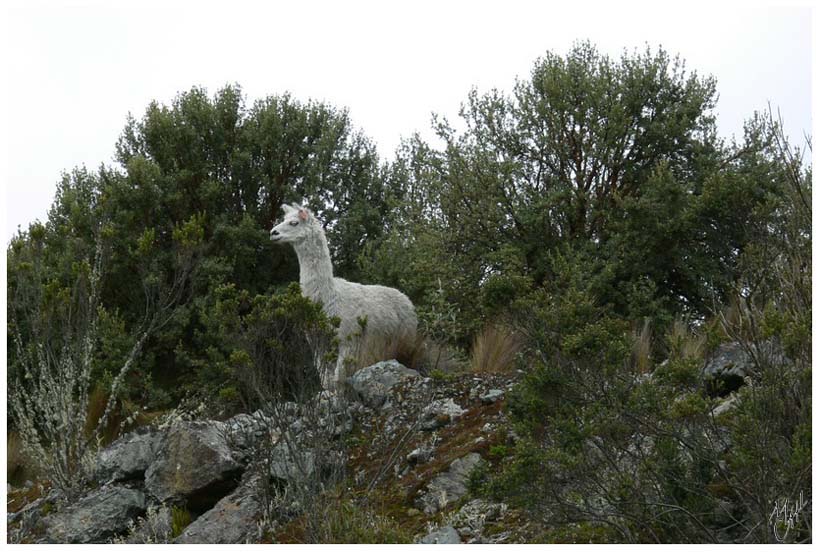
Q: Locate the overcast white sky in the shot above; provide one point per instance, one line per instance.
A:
(75, 69)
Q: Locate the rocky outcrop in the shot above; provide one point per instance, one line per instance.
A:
(727, 368)
(289, 463)
(420, 437)
(96, 517)
(373, 384)
(449, 486)
(233, 520)
(128, 457)
(731, 363)
(244, 431)
(194, 466)
(474, 518)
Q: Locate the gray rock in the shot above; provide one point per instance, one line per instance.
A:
(128, 457)
(492, 396)
(440, 413)
(194, 465)
(443, 535)
(476, 513)
(290, 463)
(373, 384)
(725, 406)
(245, 431)
(731, 363)
(449, 486)
(727, 367)
(32, 509)
(232, 520)
(100, 515)
(419, 456)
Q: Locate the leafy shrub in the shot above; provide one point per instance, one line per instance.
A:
(281, 341)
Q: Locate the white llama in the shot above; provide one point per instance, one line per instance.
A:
(389, 313)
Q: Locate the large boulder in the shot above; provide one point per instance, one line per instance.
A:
(194, 466)
(95, 518)
(731, 363)
(448, 487)
(373, 384)
(128, 457)
(727, 367)
(245, 432)
(233, 520)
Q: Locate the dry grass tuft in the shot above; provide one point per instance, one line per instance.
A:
(15, 457)
(684, 342)
(421, 354)
(407, 351)
(495, 349)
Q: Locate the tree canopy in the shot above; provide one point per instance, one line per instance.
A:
(594, 172)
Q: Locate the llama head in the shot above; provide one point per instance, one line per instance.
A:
(296, 226)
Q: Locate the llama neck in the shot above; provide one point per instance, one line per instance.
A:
(315, 268)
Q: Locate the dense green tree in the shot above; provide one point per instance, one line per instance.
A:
(612, 165)
(637, 449)
(229, 166)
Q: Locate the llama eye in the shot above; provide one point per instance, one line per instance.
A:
(293, 222)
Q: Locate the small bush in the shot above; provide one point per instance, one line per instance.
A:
(346, 522)
(180, 519)
(282, 342)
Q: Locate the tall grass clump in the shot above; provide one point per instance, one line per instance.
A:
(495, 350)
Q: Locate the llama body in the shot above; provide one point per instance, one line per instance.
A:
(389, 313)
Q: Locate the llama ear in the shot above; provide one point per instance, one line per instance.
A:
(303, 214)
(287, 209)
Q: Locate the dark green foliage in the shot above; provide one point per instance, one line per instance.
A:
(222, 166)
(610, 165)
(642, 456)
(593, 199)
(279, 343)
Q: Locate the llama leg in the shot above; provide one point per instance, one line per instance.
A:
(339, 373)
(327, 377)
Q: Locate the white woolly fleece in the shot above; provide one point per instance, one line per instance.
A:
(390, 314)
